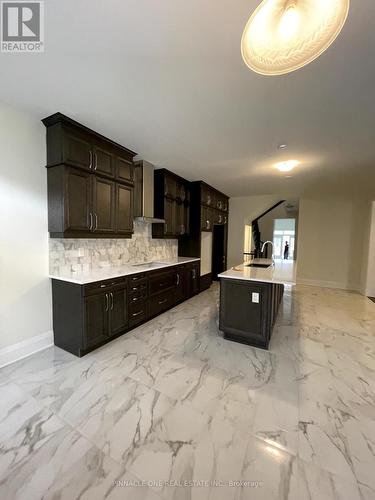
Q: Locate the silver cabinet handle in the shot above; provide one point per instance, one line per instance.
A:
(220, 219)
(96, 222)
(162, 301)
(112, 301)
(90, 161)
(194, 274)
(178, 279)
(95, 161)
(106, 302)
(91, 222)
(137, 314)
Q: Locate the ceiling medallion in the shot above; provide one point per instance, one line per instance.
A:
(282, 36)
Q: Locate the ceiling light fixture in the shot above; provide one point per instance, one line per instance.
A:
(282, 146)
(286, 166)
(284, 35)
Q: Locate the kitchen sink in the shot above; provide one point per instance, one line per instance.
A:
(150, 264)
(261, 266)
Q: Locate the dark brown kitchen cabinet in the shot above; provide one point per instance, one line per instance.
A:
(207, 218)
(171, 203)
(103, 207)
(90, 182)
(170, 217)
(193, 279)
(103, 161)
(124, 170)
(170, 186)
(248, 310)
(106, 314)
(96, 319)
(118, 310)
(87, 316)
(161, 281)
(181, 284)
(76, 150)
(124, 209)
(77, 195)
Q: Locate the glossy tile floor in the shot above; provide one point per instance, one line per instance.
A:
(172, 401)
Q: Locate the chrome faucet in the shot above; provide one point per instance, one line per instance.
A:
(263, 247)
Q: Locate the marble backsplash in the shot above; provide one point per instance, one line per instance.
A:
(83, 255)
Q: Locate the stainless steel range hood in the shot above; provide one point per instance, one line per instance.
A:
(144, 193)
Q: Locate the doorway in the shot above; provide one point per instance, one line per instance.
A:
(284, 232)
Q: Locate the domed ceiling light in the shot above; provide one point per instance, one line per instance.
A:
(284, 35)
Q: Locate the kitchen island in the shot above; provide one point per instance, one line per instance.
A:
(250, 297)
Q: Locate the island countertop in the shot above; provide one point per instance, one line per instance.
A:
(283, 272)
(112, 272)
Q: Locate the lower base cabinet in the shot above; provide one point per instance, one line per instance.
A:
(248, 310)
(88, 316)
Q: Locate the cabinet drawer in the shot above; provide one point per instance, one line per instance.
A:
(136, 277)
(137, 312)
(162, 281)
(138, 287)
(161, 302)
(137, 297)
(102, 286)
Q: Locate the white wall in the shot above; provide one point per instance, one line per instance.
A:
(369, 256)
(331, 237)
(25, 298)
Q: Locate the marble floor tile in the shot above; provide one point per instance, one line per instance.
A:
(42, 457)
(338, 442)
(173, 411)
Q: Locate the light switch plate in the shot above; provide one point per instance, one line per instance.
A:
(255, 298)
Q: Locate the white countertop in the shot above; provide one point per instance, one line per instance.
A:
(284, 272)
(107, 273)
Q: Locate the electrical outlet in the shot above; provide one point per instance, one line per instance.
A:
(255, 298)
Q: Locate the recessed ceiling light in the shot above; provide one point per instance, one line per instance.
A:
(284, 35)
(286, 166)
(282, 146)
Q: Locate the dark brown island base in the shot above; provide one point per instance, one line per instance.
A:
(250, 298)
(248, 311)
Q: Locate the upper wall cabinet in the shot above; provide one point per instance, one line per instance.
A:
(171, 203)
(90, 182)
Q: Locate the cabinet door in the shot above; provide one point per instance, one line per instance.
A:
(96, 319)
(181, 285)
(104, 161)
(104, 197)
(180, 219)
(170, 187)
(118, 317)
(207, 196)
(192, 279)
(77, 151)
(218, 217)
(77, 201)
(206, 218)
(124, 170)
(124, 209)
(195, 278)
(170, 217)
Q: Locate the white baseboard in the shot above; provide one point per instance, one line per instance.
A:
(25, 348)
(329, 284)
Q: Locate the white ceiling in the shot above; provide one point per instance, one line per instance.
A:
(166, 79)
